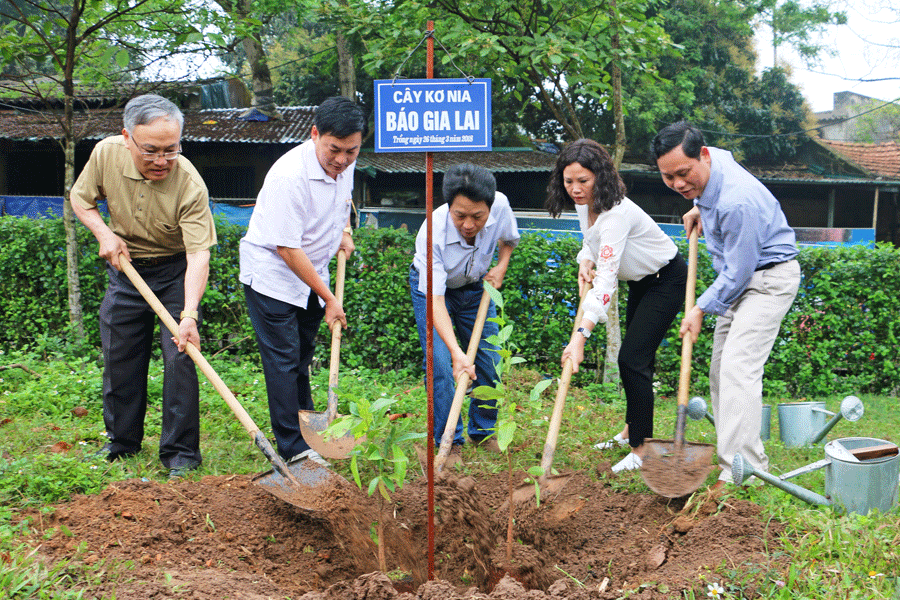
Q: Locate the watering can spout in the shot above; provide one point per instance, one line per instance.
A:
(851, 409)
(741, 470)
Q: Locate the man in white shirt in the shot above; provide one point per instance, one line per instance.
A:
(475, 221)
(300, 221)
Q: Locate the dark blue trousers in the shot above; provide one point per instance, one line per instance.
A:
(286, 336)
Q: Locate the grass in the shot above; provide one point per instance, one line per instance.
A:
(46, 457)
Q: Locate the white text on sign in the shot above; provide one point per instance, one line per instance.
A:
(437, 120)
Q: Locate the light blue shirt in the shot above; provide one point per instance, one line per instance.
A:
(745, 229)
(455, 262)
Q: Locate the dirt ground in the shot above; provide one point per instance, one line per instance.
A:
(226, 537)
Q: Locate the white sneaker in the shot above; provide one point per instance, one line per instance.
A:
(311, 455)
(629, 463)
(617, 440)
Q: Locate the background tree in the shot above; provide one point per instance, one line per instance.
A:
(551, 58)
(249, 20)
(798, 24)
(48, 46)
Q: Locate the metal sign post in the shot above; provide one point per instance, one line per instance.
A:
(432, 115)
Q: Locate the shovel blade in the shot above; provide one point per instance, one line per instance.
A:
(309, 488)
(313, 425)
(674, 472)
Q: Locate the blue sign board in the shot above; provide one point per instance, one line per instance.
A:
(432, 115)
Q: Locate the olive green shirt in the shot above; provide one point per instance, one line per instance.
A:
(154, 218)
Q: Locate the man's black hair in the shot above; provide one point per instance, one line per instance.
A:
(340, 117)
(677, 134)
(474, 182)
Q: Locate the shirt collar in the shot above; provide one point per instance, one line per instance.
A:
(714, 186)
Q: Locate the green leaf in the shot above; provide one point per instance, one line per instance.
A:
(539, 388)
(505, 433)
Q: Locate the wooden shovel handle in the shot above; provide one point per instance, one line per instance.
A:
(191, 350)
(462, 384)
(336, 336)
(561, 392)
(687, 344)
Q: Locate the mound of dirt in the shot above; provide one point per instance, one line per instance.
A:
(225, 537)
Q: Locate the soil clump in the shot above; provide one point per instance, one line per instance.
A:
(224, 537)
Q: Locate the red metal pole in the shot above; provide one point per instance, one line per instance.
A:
(429, 321)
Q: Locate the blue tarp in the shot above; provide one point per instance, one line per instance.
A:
(37, 207)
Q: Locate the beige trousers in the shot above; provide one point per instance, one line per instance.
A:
(743, 340)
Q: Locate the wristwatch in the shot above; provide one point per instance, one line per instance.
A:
(190, 314)
(585, 332)
(348, 229)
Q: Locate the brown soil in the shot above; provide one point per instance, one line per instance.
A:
(225, 537)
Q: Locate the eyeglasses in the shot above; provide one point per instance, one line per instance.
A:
(154, 156)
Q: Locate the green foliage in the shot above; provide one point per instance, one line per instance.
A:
(840, 335)
(381, 330)
(380, 442)
(549, 55)
(50, 478)
(799, 24)
(714, 84)
(507, 408)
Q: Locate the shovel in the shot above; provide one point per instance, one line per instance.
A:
(547, 482)
(313, 424)
(298, 483)
(674, 468)
(462, 384)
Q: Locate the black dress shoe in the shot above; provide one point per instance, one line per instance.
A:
(106, 453)
(180, 472)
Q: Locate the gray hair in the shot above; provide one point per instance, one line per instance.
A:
(143, 110)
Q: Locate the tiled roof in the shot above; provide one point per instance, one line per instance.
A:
(881, 160)
(511, 160)
(212, 125)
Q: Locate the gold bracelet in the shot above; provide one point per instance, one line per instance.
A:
(348, 229)
(190, 314)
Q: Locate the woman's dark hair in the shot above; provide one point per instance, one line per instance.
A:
(609, 189)
(474, 182)
(677, 134)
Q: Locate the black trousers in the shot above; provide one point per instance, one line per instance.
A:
(652, 305)
(127, 326)
(286, 336)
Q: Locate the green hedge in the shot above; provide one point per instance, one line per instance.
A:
(839, 337)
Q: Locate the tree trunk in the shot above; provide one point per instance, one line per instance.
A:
(76, 316)
(263, 93)
(510, 521)
(613, 329)
(613, 342)
(382, 560)
(346, 69)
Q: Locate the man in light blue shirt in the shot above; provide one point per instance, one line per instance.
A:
(475, 221)
(754, 253)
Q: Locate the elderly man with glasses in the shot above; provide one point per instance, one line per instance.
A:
(160, 221)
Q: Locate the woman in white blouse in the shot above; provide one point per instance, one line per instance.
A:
(621, 242)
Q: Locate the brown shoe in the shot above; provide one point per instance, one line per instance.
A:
(489, 445)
